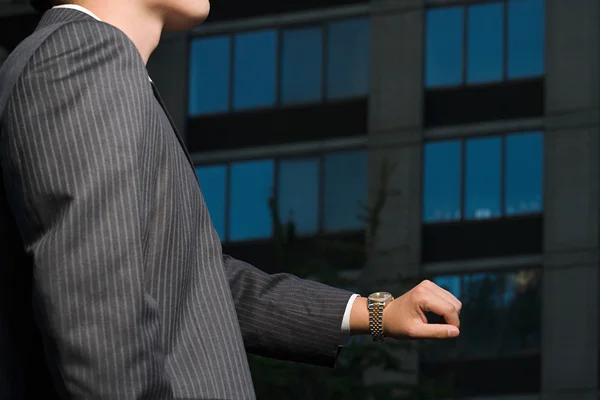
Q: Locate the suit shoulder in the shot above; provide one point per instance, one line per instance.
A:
(88, 42)
(92, 34)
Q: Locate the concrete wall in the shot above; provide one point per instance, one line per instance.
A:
(395, 137)
(570, 307)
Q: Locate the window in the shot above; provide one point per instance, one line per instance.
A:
(213, 182)
(502, 175)
(255, 63)
(348, 58)
(345, 190)
(302, 65)
(251, 189)
(444, 47)
(266, 68)
(442, 181)
(485, 48)
(526, 32)
(524, 172)
(504, 40)
(209, 75)
(483, 178)
(502, 311)
(321, 193)
(298, 194)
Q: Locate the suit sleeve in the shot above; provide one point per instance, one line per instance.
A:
(69, 155)
(285, 317)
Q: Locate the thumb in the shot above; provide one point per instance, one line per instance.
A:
(435, 331)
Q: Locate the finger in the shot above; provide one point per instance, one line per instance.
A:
(437, 304)
(446, 294)
(450, 297)
(452, 312)
(434, 331)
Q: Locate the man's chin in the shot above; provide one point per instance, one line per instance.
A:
(184, 22)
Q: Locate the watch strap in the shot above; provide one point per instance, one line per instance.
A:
(376, 320)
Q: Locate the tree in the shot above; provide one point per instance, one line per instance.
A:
(320, 260)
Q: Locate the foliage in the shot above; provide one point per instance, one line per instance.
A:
(321, 259)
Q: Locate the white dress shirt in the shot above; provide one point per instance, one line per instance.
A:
(345, 338)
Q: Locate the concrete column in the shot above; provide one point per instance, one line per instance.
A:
(395, 131)
(572, 181)
(168, 68)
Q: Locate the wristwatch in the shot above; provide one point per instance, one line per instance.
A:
(376, 303)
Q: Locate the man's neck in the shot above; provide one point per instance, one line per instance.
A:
(140, 24)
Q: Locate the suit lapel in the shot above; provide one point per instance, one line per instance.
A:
(181, 142)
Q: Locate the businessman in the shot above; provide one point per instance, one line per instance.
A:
(112, 281)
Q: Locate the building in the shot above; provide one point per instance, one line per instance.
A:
(489, 109)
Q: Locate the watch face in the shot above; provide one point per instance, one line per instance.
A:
(380, 297)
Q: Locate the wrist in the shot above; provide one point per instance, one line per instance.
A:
(359, 317)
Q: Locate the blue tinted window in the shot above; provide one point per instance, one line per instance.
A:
(485, 34)
(348, 49)
(251, 189)
(526, 32)
(254, 70)
(209, 75)
(444, 46)
(442, 181)
(302, 65)
(345, 190)
(524, 173)
(213, 181)
(298, 194)
(483, 178)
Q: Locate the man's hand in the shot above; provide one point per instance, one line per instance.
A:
(404, 318)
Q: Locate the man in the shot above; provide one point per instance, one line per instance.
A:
(112, 281)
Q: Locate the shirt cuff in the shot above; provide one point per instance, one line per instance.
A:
(346, 338)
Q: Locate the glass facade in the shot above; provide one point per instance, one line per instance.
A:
(482, 178)
(271, 67)
(484, 43)
(318, 194)
(501, 310)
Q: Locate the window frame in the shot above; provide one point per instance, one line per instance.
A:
(476, 132)
(465, 4)
(315, 150)
(279, 24)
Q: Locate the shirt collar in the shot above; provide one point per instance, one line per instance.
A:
(78, 8)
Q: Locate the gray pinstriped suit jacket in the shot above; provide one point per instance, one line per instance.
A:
(112, 281)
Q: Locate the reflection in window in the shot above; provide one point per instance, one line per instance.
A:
(444, 47)
(213, 182)
(209, 75)
(485, 43)
(301, 65)
(524, 173)
(348, 58)
(298, 194)
(523, 318)
(442, 181)
(250, 191)
(254, 69)
(345, 189)
(483, 178)
(526, 33)
(482, 312)
(502, 311)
